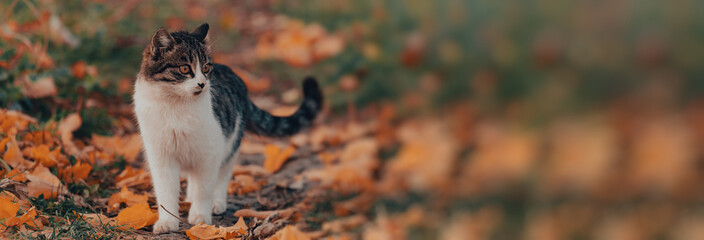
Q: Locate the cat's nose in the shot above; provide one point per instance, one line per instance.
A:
(201, 85)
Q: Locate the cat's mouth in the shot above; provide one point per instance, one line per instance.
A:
(197, 93)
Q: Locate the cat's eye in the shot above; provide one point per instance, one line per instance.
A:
(184, 69)
(206, 68)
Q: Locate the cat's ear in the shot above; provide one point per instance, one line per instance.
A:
(162, 39)
(201, 32)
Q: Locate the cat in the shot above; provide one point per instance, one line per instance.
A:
(192, 114)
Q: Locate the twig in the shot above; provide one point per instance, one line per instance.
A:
(177, 217)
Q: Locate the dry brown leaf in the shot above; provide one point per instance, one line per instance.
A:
(43, 87)
(66, 128)
(127, 197)
(136, 217)
(42, 181)
(96, 219)
(275, 157)
(284, 213)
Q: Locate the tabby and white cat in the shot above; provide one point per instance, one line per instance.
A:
(192, 114)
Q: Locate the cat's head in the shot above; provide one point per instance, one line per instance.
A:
(177, 63)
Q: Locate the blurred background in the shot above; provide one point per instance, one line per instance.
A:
(533, 119)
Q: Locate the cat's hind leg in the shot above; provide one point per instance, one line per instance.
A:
(202, 182)
(224, 177)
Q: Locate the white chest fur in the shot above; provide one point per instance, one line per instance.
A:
(185, 132)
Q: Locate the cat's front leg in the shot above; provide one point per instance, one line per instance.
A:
(203, 181)
(165, 177)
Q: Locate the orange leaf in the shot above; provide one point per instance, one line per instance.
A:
(8, 209)
(14, 119)
(136, 217)
(16, 175)
(243, 184)
(42, 154)
(202, 231)
(289, 233)
(128, 146)
(42, 181)
(13, 155)
(27, 218)
(127, 197)
(75, 172)
(39, 138)
(79, 69)
(275, 157)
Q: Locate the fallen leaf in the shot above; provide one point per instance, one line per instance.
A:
(283, 213)
(96, 219)
(127, 197)
(66, 128)
(43, 87)
(275, 157)
(13, 155)
(8, 208)
(42, 181)
(79, 171)
(128, 146)
(38, 138)
(43, 155)
(244, 184)
(27, 218)
(202, 231)
(79, 69)
(136, 217)
(289, 233)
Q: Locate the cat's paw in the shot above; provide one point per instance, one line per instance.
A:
(195, 219)
(164, 225)
(219, 206)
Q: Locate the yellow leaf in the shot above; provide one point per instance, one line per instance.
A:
(136, 217)
(275, 157)
(127, 197)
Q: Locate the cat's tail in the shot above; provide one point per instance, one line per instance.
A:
(263, 123)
